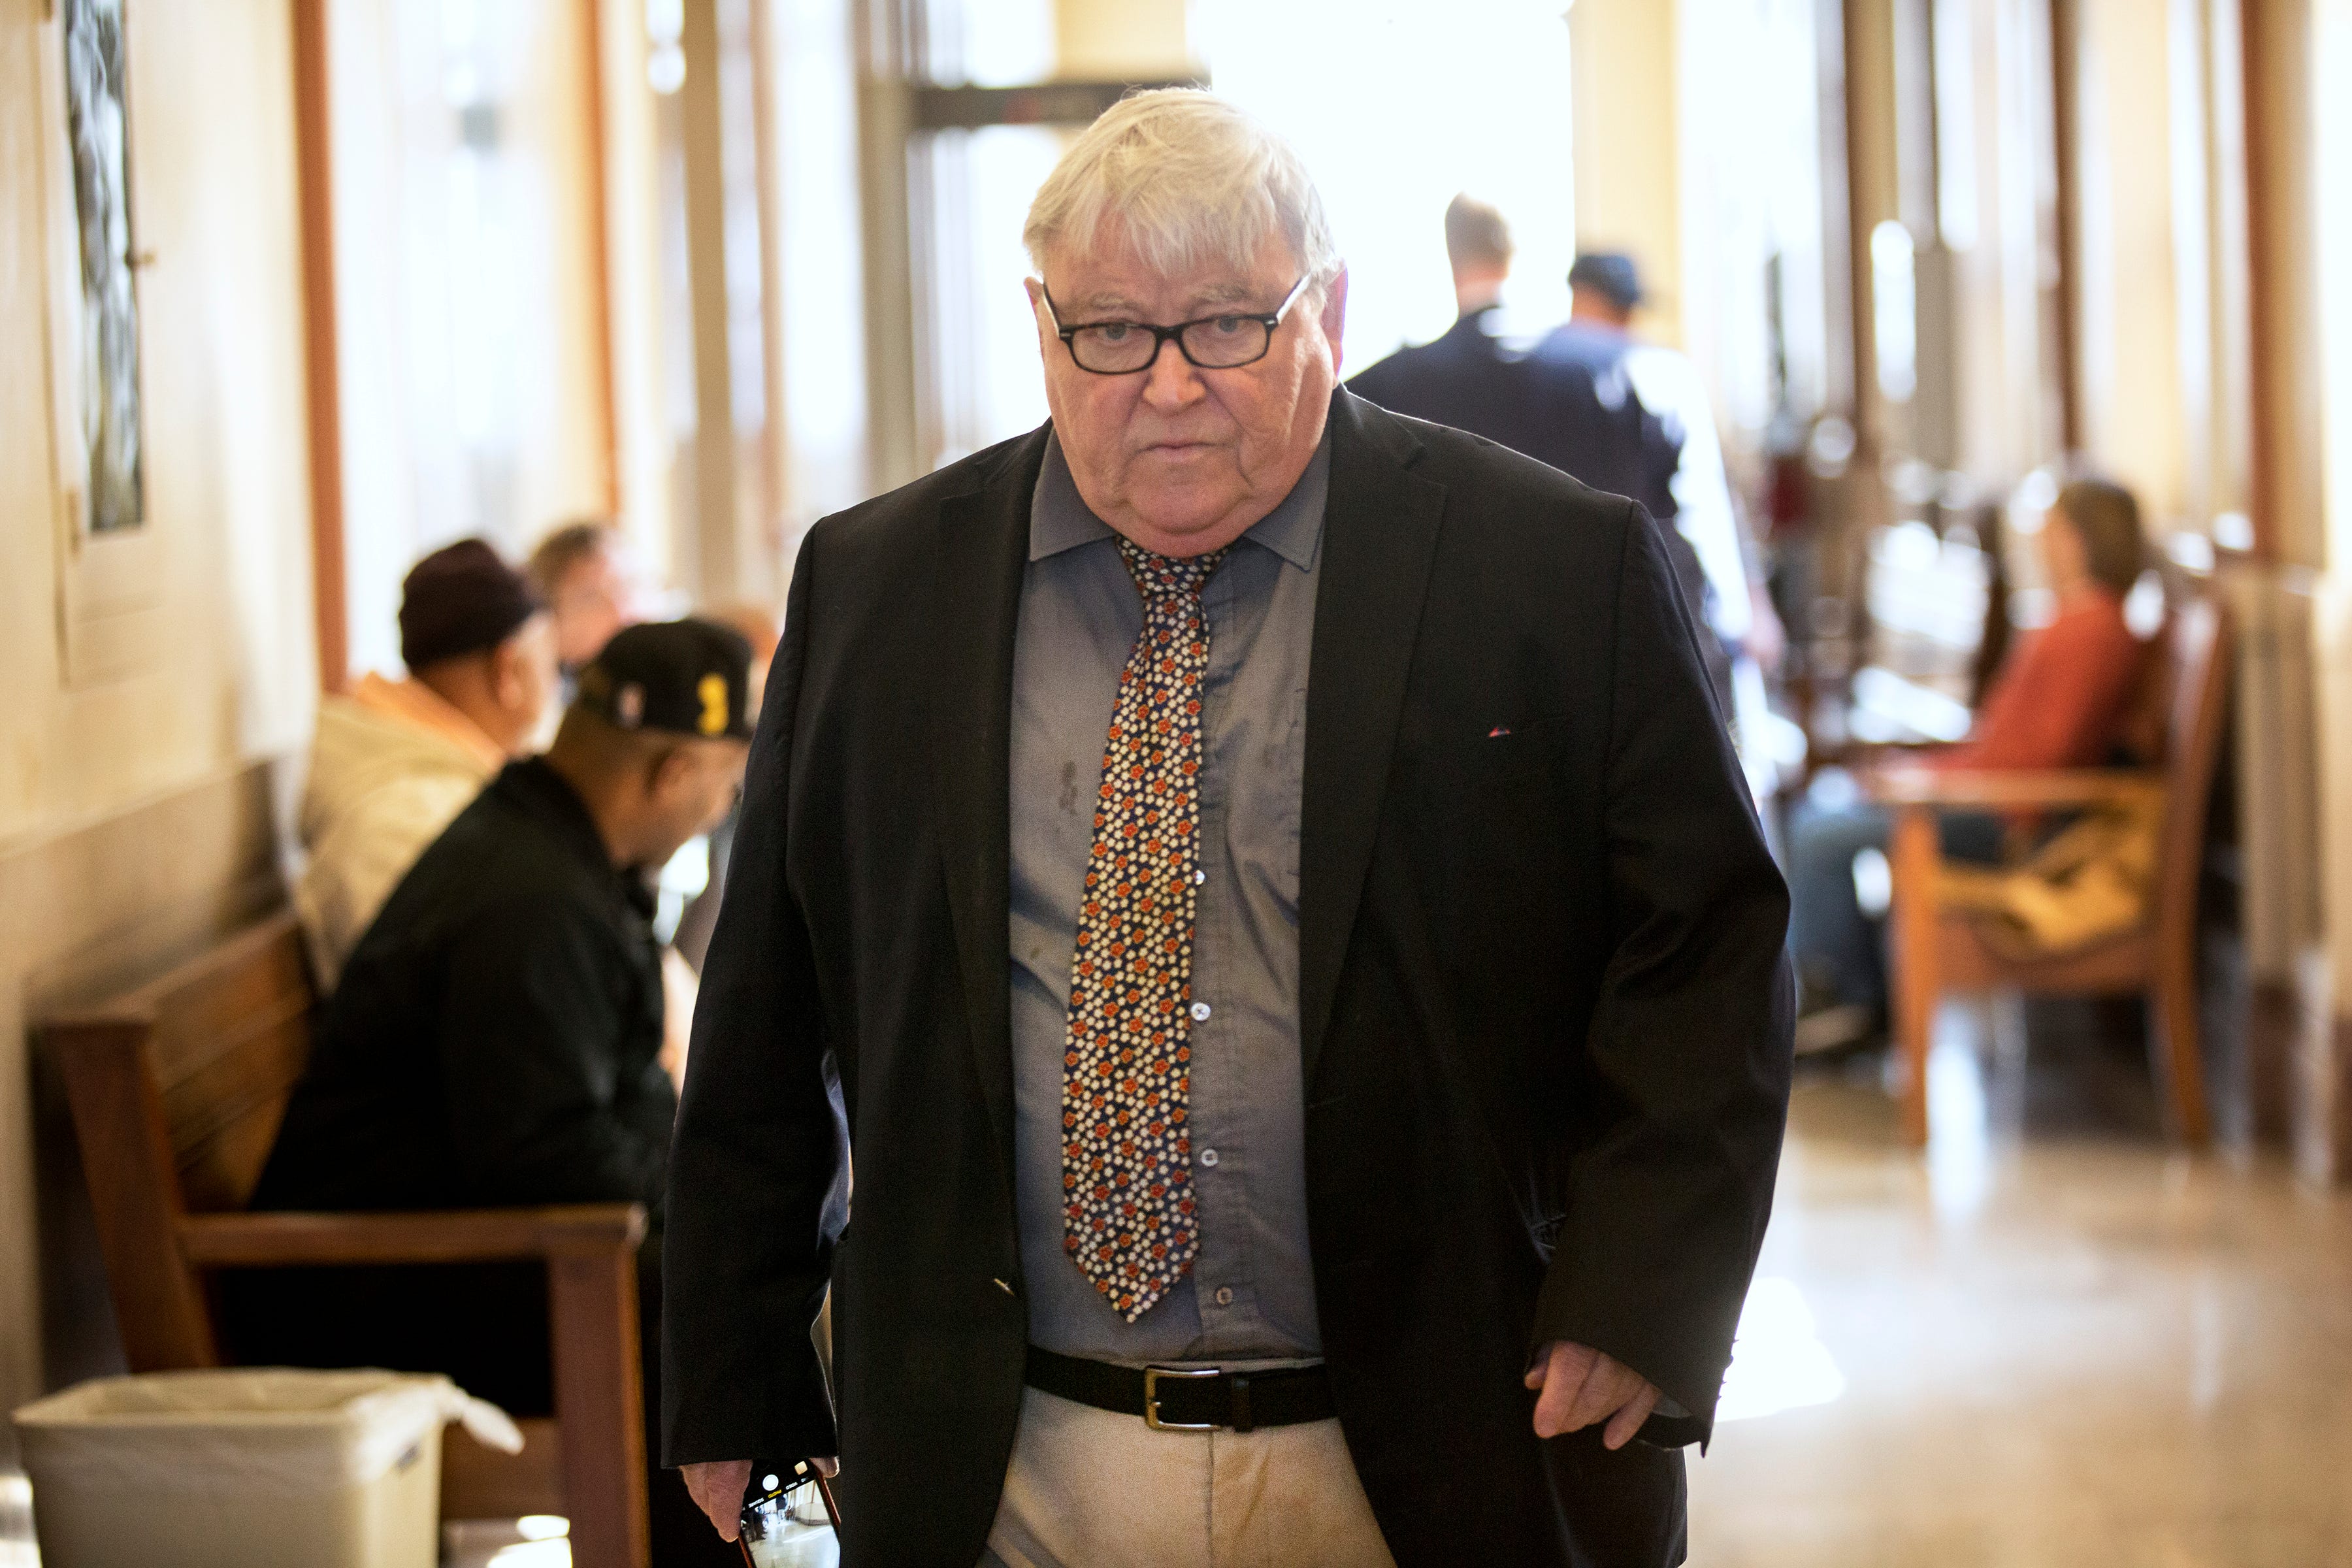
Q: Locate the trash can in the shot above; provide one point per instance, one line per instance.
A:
(245, 1468)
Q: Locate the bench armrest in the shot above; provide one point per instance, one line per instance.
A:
(459, 1236)
(1990, 790)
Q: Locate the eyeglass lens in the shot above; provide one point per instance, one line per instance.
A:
(1221, 342)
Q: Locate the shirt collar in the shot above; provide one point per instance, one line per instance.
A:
(1059, 518)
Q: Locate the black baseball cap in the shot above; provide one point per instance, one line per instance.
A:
(687, 678)
(1609, 273)
(461, 599)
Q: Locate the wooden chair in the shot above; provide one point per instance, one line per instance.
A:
(1936, 950)
(176, 1090)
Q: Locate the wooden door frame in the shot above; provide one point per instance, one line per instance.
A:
(314, 185)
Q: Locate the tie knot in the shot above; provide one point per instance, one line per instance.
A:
(1162, 577)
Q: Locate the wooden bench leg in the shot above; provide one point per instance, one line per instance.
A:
(600, 1400)
(1914, 856)
(2172, 1011)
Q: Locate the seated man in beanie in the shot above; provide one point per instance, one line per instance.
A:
(395, 760)
(494, 1041)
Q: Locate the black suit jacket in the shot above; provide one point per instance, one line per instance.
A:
(1543, 1006)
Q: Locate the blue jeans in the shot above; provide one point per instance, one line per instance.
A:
(1840, 952)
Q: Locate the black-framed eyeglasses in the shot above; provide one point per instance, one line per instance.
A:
(1227, 341)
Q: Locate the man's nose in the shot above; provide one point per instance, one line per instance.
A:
(1171, 381)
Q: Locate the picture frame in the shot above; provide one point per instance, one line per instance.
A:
(111, 618)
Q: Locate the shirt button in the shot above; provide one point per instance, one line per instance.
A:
(1200, 1012)
(1199, 877)
(1208, 1156)
(1224, 1295)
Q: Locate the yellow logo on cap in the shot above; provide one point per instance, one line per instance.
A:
(713, 692)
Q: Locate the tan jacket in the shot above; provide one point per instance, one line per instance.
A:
(393, 764)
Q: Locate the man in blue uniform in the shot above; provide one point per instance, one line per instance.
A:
(1574, 412)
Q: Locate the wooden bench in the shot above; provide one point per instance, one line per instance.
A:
(177, 1090)
(1936, 951)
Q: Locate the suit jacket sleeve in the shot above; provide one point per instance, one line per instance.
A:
(759, 1167)
(1685, 1069)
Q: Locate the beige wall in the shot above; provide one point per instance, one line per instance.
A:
(1628, 152)
(1133, 38)
(134, 801)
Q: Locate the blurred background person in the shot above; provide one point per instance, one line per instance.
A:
(497, 1042)
(593, 580)
(1605, 289)
(757, 625)
(596, 584)
(1557, 409)
(2060, 700)
(394, 761)
(1468, 378)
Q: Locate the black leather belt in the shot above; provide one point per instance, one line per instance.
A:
(1187, 1399)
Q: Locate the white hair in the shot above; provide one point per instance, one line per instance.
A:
(1188, 178)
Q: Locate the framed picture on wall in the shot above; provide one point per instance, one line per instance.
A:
(107, 348)
(109, 597)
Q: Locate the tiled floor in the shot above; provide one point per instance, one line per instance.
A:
(505, 1543)
(2048, 1343)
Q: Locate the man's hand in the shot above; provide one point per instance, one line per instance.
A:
(1581, 1387)
(719, 1486)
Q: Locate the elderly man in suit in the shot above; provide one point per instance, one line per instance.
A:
(1260, 888)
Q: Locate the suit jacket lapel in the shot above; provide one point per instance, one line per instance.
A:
(975, 611)
(1379, 533)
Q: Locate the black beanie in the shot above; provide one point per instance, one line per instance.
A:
(458, 600)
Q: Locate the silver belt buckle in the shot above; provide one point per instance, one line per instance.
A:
(1151, 1376)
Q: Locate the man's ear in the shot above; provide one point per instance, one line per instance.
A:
(1039, 312)
(658, 771)
(1334, 314)
(508, 682)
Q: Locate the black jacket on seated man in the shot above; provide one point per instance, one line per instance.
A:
(493, 1044)
(494, 1041)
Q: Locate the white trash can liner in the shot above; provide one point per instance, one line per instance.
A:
(260, 1455)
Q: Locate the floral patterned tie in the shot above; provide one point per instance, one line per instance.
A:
(1128, 1218)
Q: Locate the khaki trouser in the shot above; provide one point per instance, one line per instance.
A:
(1092, 1488)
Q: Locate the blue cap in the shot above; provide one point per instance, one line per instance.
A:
(1609, 273)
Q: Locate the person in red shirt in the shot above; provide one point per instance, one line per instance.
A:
(2060, 700)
